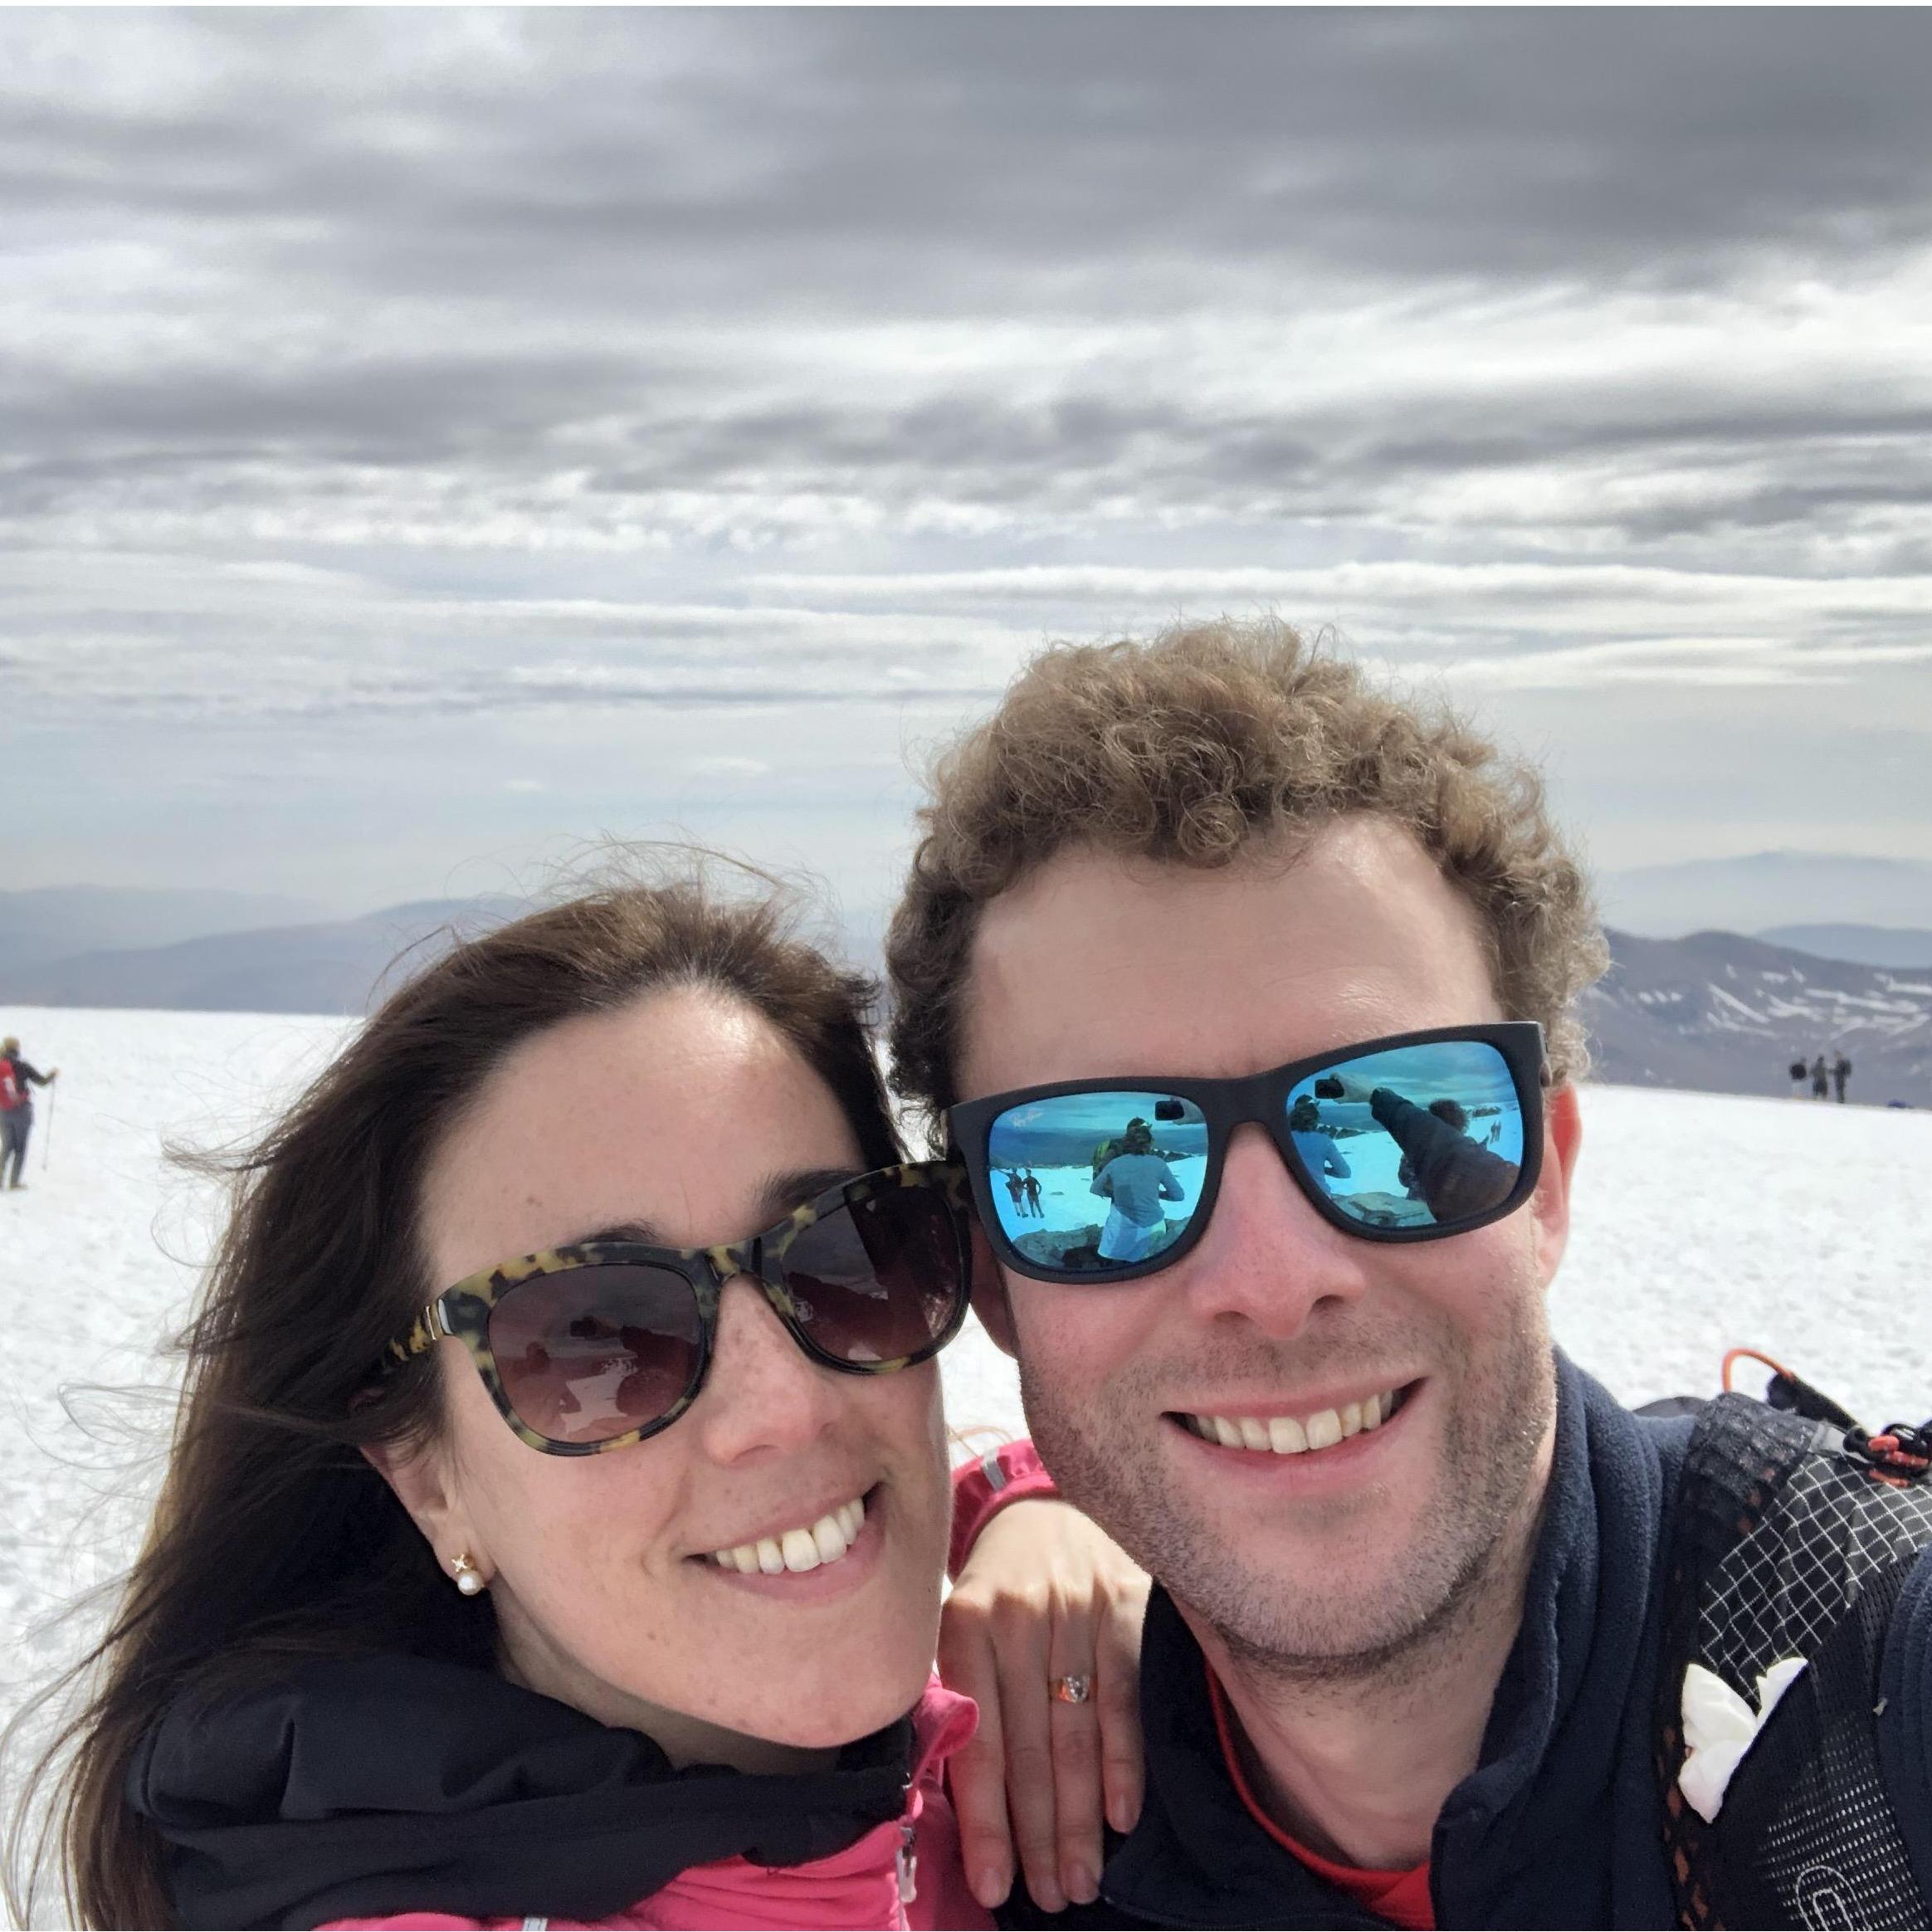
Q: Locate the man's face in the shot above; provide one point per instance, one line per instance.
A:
(1329, 1561)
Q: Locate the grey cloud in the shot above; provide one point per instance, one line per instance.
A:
(234, 438)
(414, 242)
(906, 157)
(539, 363)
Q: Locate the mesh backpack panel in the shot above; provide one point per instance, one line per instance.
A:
(1783, 1546)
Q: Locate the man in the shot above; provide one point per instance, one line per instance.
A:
(1841, 1072)
(17, 1080)
(1402, 1663)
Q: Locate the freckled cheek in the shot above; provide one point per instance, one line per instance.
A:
(1081, 1338)
(905, 1414)
(567, 1517)
(1485, 1285)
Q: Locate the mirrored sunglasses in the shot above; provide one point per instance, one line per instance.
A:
(1413, 1137)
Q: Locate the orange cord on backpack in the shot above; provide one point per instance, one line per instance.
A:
(1898, 1456)
(1731, 1355)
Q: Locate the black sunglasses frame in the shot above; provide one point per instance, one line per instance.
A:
(1261, 1099)
(463, 1311)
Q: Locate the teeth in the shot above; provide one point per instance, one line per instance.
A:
(825, 1541)
(1290, 1435)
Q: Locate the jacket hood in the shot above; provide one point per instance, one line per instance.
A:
(357, 1786)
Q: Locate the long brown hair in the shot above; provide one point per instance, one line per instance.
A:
(273, 1537)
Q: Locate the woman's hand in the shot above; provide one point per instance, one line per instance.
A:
(1045, 1595)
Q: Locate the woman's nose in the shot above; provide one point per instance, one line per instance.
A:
(762, 1391)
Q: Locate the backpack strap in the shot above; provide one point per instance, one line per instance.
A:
(1785, 1544)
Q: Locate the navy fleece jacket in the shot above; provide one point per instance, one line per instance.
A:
(1560, 1824)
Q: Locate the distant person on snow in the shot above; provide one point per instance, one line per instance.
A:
(1841, 1072)
(17, 1080)
(1821, 1080)
(1800, 1073)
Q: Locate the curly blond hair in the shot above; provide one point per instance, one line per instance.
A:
(1189, 748)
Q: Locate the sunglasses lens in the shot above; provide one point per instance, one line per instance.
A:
(881, 1280)
(1426, 1136)
(596, 1352)
(1096, 1180)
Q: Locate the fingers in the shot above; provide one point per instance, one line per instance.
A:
(1117, 1704)
(1026, 1717)
(1044, 1595)
(1074, 1732)
(976, 1774)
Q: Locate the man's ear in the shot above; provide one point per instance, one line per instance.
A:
(1563, 1141)
(990, 1294)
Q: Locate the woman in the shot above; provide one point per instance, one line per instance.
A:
(525, 1549)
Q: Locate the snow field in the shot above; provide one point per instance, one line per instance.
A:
(1700, 1222)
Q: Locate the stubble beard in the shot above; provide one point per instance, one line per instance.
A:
(1470, 1546)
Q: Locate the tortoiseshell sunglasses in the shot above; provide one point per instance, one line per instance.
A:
(599, 1344)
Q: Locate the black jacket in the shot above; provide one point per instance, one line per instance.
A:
(372, 1786)
(1560, 1824)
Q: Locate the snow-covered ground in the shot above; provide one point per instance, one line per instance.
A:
(1700, 1221)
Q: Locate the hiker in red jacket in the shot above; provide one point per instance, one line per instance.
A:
(17, 1080)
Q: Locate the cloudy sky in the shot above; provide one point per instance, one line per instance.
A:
(428, 439)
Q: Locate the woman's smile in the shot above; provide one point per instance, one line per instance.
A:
(796, 1580)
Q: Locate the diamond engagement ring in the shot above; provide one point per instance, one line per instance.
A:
(1071, 1690)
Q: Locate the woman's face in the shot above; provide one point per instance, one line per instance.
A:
(686, 1114)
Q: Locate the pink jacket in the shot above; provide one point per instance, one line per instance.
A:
(860, 1886)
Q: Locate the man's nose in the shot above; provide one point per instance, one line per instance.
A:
(762, 1391)
(1267, 1257)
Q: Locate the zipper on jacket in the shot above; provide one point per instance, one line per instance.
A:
(905, 1864)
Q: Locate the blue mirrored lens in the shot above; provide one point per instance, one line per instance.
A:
(1096, 1180)
(1415, 1137)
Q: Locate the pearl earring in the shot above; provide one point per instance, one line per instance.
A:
(469, 1579)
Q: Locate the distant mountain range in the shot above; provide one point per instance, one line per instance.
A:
(1716, 1010)
(1765, 891)
(48, 923)
(332, 967)
(1727, 1014)
(1869, 945)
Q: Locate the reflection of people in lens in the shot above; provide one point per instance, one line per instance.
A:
(1323, 1158)
(1137, 1181)
(1444, 1110)
(644, 1391)
(535, 1371)
(1441, 1167)
(470, 1634)
(1033, 1194)
(1016, 1187)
